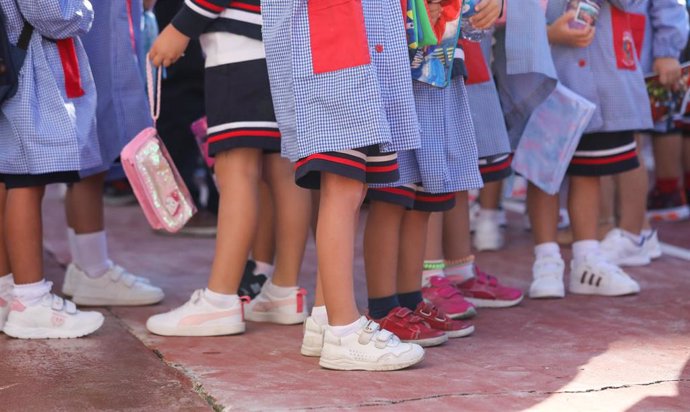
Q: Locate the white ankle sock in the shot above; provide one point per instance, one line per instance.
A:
(92, 253)
(278, 291)
(320, 316)
(263, 268)
(6, 285)
(345, 330)
(582, 248)
(637, 239)
(492, 214)
(428, 274)
(545, 250)
(221, 300)
(72, 240)
(31, 294)
(464, 270)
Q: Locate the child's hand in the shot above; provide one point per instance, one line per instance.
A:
(668, 70)
(487, 14)
(561, 34)
(168, 47)
(435, 10)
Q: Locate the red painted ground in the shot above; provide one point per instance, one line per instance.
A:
(581, 353)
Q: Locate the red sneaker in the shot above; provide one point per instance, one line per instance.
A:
(442, 294)
(484, 291)
(411, 328)
(438, 320)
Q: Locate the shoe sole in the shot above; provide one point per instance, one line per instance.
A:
(470, 313)
(21, 332)
(200, 331)
(486, 303)
(310, 351)
(462, 333)
(595, 292)
(551, 294)
(635, 261)
(102, 301)
(279, 318)
(670, 215)
(426, 343)
(350, 365)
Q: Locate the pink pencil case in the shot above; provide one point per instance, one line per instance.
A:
(156, 183)
(200, 129)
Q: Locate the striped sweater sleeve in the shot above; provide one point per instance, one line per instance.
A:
(196, 15)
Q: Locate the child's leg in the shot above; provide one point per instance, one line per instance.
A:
(434, 239)
(583, 207)
(456, 230)
(668, 150)
(341, 198)
(413, 232)
(632, 188)
(263, 249)
(24, 233)
(238, 172)
(490, 195)
(4, 258)
(543, 213)
(292, 218)
(84, 205)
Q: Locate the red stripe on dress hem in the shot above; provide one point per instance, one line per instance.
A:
(396, 191)
(603, 161)
(245, 6)
(435, 199)
(333, 159)
(210, 6)
(382, 169)
(498, 166)
(244, 133)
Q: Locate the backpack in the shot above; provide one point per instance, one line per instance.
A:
(12, 58)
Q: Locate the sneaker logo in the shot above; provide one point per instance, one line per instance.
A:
(206, 317)
(57, 320)
(17, 306)
(592, 276)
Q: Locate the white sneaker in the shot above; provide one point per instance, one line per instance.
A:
(199, 317)
(620, 249)
(370, 348)
(651, 246)
(284, 311)
(547, 274)
(595, 276)
(312, 343)
(5, 298)
(116, 287)
(52, 318)
(72, 279)
(487, 232)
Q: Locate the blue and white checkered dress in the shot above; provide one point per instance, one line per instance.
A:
(344, 109)
(447, 160)
(122, 107)
(42, 130)
(487, 115)
(592, 72)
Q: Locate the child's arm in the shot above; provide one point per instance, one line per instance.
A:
(189, 22)
(58, 19)
(488, 12)
(669, 35)
(560, 33)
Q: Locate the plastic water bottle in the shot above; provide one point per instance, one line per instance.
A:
(469, 32)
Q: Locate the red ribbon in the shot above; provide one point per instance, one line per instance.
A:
(70, 68)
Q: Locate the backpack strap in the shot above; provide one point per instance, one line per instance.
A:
(25, 36)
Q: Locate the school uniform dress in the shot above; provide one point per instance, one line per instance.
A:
(238, 101)
(607, 73)
(111, 46)
(490, 128)
(341, 84)
(48, 129)
(446, 162)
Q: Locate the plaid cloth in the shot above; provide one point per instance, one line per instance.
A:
(447, 160)
(487, 115)
(666, 30)
(41, 130)
(123, 109)
(343, 109)
(592, 72)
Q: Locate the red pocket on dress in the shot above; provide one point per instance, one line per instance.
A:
(337, 34)
(638, 24)
(477, 70)
(623, 40)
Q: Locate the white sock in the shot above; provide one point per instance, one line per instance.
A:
(278, 291)
(465, 270)
(92, 253)
(345, 330)
(635, 238)
(31, 294)
(491, 214)
(428, 274)
(547, 250)
(320, 316)
(6, 285)
(72, 240)
(221, 300)
(263, 268)
(582, 248)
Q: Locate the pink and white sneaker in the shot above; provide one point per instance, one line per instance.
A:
(291, 310)
(199, 317)
(443, 295)
(485, 291)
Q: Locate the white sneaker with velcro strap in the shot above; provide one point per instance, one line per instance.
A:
(116, 287)
(370, 349)
(594, 275)
(312, 342)
(52, 318)
(73, 275)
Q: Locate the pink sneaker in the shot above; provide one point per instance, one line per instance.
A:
(484, 291)
(443, 295)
